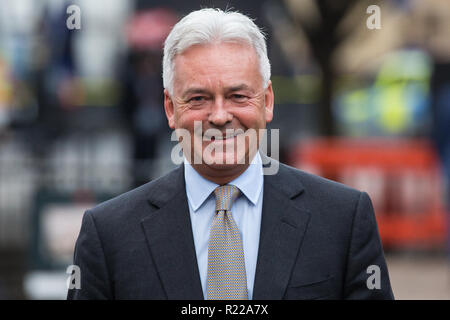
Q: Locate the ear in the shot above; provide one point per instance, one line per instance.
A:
(269, 102)
(169, 109)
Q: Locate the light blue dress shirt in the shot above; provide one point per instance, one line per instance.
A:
(246, 210)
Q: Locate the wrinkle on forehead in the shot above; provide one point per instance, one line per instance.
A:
(216, 66)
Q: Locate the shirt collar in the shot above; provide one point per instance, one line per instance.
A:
(250, 182)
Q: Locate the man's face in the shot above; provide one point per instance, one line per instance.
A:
(219, 86)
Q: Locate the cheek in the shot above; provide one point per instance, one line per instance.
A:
(186, 118)
(252, 117)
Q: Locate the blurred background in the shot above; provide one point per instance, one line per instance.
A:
(81, 120)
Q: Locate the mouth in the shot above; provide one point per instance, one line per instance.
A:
(220, 137)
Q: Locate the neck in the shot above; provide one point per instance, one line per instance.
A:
(220, 176)
(223, 174)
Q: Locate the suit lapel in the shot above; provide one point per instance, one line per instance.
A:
(282, 228)
(169, 235)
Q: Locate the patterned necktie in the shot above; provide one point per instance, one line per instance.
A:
(227, 279)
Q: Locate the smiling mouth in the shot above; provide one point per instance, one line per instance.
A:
(220, 138)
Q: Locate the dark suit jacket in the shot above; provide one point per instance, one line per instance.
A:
(317, 240)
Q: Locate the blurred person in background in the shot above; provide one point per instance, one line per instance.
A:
(436, 20)
(142, 87)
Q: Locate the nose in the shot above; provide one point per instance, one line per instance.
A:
(219, 114)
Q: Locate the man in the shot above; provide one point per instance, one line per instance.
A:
(216, 227)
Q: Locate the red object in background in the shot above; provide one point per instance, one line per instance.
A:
(402, 177)
(148, 29)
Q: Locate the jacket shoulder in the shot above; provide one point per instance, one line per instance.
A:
(134, 201)
(318, 185)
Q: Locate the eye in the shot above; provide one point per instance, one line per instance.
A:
(239, 97)
(197, 100)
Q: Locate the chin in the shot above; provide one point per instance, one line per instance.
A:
(224, 161)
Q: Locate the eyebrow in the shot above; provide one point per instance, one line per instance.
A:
(199, 90)
(238, 87)
(194, 91)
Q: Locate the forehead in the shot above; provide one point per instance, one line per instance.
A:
(217, 64)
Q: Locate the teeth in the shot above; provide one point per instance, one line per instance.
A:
(222, 138)
(205, 138)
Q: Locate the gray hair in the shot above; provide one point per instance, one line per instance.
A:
(206, 26)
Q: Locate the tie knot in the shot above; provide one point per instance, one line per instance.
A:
(225, 196)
